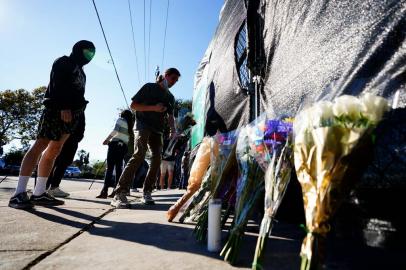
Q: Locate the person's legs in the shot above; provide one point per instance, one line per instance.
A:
(163, 174)
(140, 176)
(47, 162)
(48, 158)
(127, 176)
(177, 168)
(155, 145)
(30, 159)
(170, 178)
(121, 151)
(108, 179)
(63, 160)
(184, 180)
(40, 196)
(20, 199)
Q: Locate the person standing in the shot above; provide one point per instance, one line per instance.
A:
(64, 159)
(118, 147)
(64, 104)
(167, 163)
(151, 103)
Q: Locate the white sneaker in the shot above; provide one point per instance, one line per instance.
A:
(57, 192)
(134, 190)
(120, 201)
(147, 199)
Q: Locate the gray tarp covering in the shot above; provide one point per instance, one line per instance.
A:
(217, 77)
(329, 48)
(313, 50)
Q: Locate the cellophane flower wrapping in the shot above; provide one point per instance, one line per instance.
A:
(198, 170)
(191, 209)
(329, 139)
(222, 146)
(250, 186)
(278, 142)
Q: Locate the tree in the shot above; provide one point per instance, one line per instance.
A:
(20, 112)
(83, 160)
(14, 156)
(182, 104)
(99, 169)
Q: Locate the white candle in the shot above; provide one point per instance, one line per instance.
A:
(213, 228)
(396, 100)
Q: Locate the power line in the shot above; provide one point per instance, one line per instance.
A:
(145, 54)
(166, 26)
(108, 48)
(149, 34)
(135, 49)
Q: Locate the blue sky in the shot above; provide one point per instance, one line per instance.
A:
(34, 33)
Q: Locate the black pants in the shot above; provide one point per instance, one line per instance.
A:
(63, 160)
(115, 157)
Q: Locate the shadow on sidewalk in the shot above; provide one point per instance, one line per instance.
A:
(177, 195)
(67, 211)
(62, 220)
(85, 180)
(100, 201)
(177, 238)
(282, 250)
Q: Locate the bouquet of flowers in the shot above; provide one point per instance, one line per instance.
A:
(223, 145)
(197, 172)
(250, 185)
(277, 138)
(329, 139)
(191, 208)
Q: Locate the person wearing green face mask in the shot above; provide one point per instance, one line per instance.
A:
(64, 103)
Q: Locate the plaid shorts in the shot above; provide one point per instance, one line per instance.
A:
(52, 127)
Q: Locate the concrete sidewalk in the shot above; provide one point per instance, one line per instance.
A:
(86, 233)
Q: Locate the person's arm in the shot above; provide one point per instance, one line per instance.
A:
(108, 139)
(147, 108)
(61, 78)
(117, 126)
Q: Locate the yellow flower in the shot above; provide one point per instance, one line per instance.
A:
(288, 119)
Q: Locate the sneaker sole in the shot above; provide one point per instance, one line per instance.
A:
(149, 203)
(120, 206)
(19, 206)
(60, 196)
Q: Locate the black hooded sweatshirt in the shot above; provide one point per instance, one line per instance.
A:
(66, 89)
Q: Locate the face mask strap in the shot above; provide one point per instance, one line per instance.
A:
(165, 84)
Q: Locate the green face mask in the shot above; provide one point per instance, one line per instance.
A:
(88, 54)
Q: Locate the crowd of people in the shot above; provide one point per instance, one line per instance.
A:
(140, 152)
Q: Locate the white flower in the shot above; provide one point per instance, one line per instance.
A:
(322, 113)
(303, 121)
(348, 106)
(373, 107)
